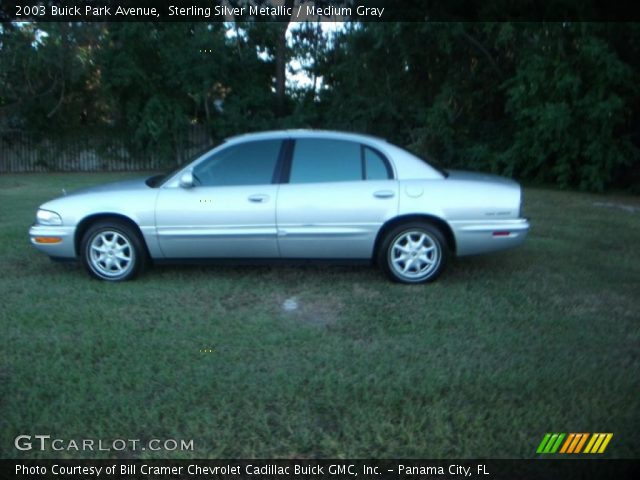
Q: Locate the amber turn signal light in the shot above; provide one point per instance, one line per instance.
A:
(48, 239)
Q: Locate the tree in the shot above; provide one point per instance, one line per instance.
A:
(45, 75)
(569, 102)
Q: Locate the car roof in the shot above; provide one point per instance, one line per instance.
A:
(304, 133)
(405, 164)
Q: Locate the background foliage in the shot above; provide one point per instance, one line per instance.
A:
(545, 102)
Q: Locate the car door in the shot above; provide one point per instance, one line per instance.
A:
(338, 195)
(231, 209)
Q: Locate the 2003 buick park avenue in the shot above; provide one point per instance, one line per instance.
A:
(288, 195)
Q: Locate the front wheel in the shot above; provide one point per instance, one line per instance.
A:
(413, 253)
(113, 251)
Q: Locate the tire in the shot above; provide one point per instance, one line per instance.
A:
(112, 250)
(414, 252)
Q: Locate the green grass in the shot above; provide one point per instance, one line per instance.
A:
(482, 363)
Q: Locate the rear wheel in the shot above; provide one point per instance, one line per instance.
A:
(414, 252)
(112, 250)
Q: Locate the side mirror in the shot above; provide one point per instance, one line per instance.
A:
(186, 180)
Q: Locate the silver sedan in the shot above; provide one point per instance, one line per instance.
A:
(288, 195)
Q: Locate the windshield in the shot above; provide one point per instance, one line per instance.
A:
(157, 180)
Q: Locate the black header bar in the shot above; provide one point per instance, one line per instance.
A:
(314, 10)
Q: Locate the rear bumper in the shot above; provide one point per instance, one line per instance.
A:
(54, 241)
(473, 237)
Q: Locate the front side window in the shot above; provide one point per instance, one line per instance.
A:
(250, 163)
(326, 160)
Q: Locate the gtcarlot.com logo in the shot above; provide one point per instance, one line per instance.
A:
(45, 442)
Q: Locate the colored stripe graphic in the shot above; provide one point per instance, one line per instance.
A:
(591, 442)
(566, 445)
(608, 438)
(598, 443)
(555, 447)
(543, 443)
(574, 443)
(550, 443)
(581, 443)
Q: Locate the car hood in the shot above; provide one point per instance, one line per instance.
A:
(124, 197)
(464, 175)
(122, 186)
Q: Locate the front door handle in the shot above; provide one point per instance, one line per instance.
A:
(384, 194)
(258, 198)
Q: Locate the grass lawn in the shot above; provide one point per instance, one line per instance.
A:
(482, 363)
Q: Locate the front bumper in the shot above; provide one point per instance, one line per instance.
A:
(55, 241)
(473, 237)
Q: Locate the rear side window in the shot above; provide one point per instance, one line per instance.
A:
(250, 163)
(325, 160)
(375, 166)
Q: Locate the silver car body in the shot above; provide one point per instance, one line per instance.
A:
(337, 220)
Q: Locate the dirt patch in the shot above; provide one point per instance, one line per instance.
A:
(12, 185)
(606, 303)
(620, 206)
(364, 293)
(322, 311)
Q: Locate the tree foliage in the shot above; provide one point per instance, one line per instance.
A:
(567, 101)
(548, 102)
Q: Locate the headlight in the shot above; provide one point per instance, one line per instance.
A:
(46, 217)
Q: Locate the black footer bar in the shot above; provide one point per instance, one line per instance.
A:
(123, 469)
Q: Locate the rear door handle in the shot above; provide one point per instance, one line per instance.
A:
(258, 198)
(384, 194)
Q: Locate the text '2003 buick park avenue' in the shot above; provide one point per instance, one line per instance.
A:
(288, 195)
